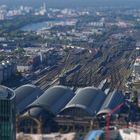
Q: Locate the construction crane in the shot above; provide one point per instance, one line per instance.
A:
(109, 117)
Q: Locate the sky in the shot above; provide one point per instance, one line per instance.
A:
(73, 3)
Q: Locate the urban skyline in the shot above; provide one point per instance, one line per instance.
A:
(70, 73)
(73, 3)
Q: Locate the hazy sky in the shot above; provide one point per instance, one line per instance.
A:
(71, 3)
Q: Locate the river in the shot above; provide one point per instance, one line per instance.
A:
(49, 24)
(38, 26)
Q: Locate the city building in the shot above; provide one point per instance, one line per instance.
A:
(2, 15)
(7, 114)
(28, 63)
(42, 10)
(1, 73)
(7, 70)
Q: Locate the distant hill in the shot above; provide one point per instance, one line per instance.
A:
(73, 3)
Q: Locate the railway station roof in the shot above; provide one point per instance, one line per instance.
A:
(88, 99)
(25, 95)
(113, 100)
(52, 101)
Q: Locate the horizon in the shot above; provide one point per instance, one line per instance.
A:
(72, 3)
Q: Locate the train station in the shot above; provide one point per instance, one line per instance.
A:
(62, 108)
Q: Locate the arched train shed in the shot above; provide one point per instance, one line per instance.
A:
(86, 103)
(25, 95)
(113, 100)
(51, 102)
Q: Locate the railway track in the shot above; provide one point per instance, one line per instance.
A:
(89, 75)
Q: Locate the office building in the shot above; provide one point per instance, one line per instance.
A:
(7, 114)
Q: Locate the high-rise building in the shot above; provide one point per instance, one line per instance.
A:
(43, 9)
(2, 15)
(44, 6)
(7, 114)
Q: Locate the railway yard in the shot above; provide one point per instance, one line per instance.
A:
(109, 61)
(90, 49)
(106, 66)
(72, 70)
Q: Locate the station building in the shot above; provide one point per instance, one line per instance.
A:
(59, 107)
(41, 112)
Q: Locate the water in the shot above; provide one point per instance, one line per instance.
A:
(48, 24)
(38, 26)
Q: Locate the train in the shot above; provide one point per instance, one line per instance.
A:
(63, 77)
(102, 70)
(43, 71)
(74, 69)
